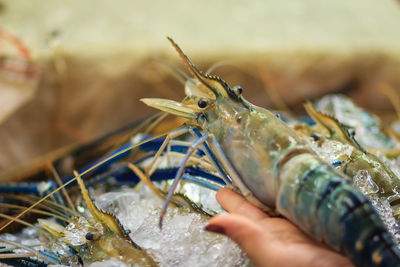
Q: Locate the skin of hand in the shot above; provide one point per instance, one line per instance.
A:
(269, 241)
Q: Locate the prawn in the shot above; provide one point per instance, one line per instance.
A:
(91, 238)
(387, 183)
(267, 162)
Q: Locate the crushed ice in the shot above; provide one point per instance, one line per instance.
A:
(182, 241)
(363, 181)
(330, 150)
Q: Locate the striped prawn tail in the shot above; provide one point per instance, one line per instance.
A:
(323, 203)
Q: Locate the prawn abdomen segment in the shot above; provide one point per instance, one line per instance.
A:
(323, 204)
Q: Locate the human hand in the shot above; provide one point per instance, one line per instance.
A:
(270, 241)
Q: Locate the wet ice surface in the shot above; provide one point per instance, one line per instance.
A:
(367, 126)
(182, 241)
(330, 150)
(382, 205)
(363, 181)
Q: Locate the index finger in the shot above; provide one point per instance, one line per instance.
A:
(234, 203)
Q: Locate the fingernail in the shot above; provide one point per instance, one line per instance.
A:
(215, 229)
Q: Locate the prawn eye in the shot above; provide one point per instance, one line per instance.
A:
(202, 103)
(238, 90)
(91, 236)
(316, 136)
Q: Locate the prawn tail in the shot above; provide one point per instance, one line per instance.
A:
(324, 204)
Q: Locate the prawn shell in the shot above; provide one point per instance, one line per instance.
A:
(323, 204)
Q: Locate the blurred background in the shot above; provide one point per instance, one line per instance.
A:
(71, 71)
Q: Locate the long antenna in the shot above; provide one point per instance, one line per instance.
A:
(81, 174)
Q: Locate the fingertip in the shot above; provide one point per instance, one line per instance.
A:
(220, 219)
(222, 194)
(227, 197)
(233, 202)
